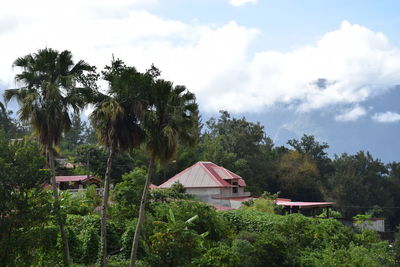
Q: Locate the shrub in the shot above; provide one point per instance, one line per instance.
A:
(209, 220)
(375, 256)
(84, 237)
(222, 256)
(249, 220)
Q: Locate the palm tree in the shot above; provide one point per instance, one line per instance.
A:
(49, 92)
(172, 116)
(116, 119)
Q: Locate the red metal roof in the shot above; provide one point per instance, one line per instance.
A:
(204, 174)
(212, 168)
(242, 183)
(74, 178)
(304, 204)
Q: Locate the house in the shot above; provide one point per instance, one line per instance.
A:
(212, 184)
(225, 190)
(76, 182)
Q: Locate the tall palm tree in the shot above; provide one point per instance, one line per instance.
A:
(172, 116)
(116, 119)
(48, 93)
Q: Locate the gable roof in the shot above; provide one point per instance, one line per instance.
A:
(204, 174)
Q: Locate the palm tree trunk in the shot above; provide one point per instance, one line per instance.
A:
(103, 245)
(141, 213)
(64, 238)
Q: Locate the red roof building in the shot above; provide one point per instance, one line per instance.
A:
(76, 181)
(211, 183)
(153, 186)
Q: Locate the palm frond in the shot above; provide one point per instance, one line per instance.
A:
(48, 92)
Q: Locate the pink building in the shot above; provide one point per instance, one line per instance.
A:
(212, 184)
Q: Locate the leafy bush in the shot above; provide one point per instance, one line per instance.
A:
(249, 220)
(265, 203)
(375, 256)
(80, 203)
(222, 256)
(173, 244)
(209, 220)
(126, 196)
(84, 237)
(281, 239)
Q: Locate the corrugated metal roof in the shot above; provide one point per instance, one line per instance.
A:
(74, 178)
(204, 174)
(153, 186)
(242, 183)
(305, 204)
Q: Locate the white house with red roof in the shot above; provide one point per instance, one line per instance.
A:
(213, 184)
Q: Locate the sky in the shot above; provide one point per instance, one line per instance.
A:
(330, 68)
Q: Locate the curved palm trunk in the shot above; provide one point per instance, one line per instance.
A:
(103, 245)
(141, 213)
(64, 238)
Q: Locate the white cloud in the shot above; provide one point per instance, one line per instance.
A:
(241, 2)
(352, 114)
(386, 117)
(345, 67)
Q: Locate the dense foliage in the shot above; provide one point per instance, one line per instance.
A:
(141, 135)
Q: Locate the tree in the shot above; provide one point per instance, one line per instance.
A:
(126, 195)
(9, 125)
(393, 188)
(116, 120)
(298, 177)
(25, 208)
(49, 92)
(242, 147)
(97, 156)
(307, 145)
(172, 116)
(5, 121)
(74, 136)
(360, 182)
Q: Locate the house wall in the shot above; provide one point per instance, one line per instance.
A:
(227, 192)
(204, 194)
(209, 195)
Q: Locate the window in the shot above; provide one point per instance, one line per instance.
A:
(234, 190)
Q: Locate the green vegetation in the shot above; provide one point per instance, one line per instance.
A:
(147, 131)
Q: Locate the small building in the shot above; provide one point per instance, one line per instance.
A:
(212, 184)
(299, 206)
(76, 182)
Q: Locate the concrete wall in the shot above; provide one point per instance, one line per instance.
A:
(375, 224)
(213, 195)
(205, 194)
(235, 204)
